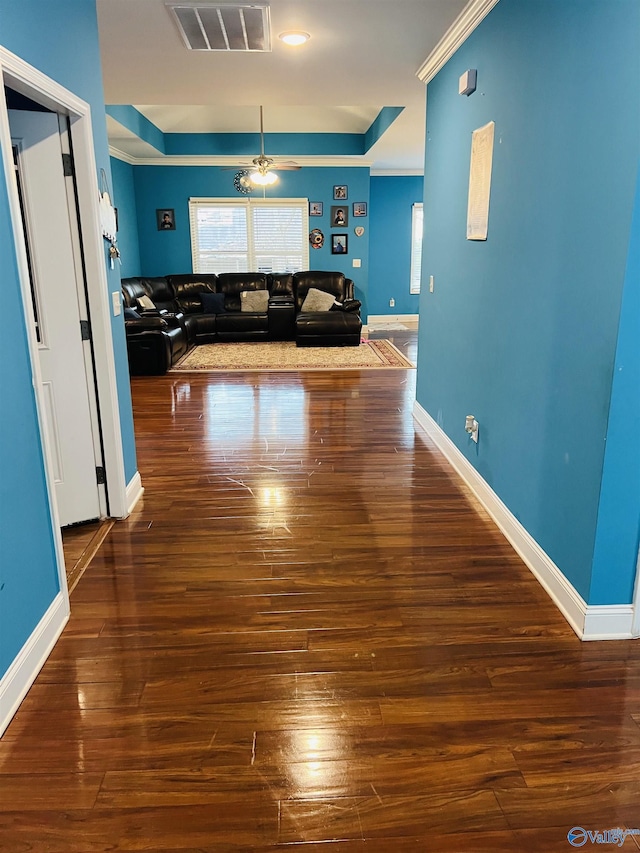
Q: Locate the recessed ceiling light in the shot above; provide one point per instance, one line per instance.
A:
(294, 37)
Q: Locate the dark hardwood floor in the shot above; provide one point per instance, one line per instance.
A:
(80, 544)
(306, 638)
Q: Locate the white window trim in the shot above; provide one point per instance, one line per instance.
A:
(302, 203)
(416, 248)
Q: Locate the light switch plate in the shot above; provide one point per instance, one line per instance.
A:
(115, 301)
(356, 262)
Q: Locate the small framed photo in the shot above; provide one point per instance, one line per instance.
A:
(339, 216)
(340, 192)
(359, 208)
(339, 244)
(315, 208)
(166, 220)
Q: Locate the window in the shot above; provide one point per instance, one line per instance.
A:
(416, 247)
(265, 235)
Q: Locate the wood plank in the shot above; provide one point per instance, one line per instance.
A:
(306, 637)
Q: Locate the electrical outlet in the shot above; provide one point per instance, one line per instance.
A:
(392, 303)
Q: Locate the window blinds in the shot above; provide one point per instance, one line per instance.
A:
(249, 236)
(416, 247)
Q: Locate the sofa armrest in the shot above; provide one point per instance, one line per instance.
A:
(174, 320)
(145, 324)
(349, 305)
(281, 299)
(151, 312)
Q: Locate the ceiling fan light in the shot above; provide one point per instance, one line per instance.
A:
(294, 37)
(263, 179)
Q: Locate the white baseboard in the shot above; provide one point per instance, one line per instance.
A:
(596, 622)
(376, 319)
(135, 491)
(17, 680)
(609, 622)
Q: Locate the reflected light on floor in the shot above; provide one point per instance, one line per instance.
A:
(272, 497)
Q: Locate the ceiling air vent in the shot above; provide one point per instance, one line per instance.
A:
(215, 26)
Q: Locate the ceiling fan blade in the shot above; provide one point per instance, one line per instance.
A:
(285, 167)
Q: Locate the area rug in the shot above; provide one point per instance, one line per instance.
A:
(285, 355)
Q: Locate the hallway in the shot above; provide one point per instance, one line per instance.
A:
(305, 633)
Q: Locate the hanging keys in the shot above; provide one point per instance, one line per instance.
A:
(114, 254)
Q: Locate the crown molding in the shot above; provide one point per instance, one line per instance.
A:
(396, 173)
(232, 162)
(120, 155)
(466, 22)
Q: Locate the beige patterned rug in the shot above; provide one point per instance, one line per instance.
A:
(285, 355)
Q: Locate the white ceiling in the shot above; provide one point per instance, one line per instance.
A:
(363, 55)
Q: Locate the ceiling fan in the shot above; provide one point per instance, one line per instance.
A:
(261, 174)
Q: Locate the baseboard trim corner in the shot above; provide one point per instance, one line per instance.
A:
(17, 680)
(135, 490)
(608, 622)
(596, 622)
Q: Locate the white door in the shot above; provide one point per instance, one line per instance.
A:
(55, 294)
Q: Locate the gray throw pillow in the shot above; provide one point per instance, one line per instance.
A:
(255, 301)
(317, 300)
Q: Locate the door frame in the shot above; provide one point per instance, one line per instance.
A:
(27, 80)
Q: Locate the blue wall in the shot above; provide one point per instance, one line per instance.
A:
(28, 581)
(166, 252)
(384, 249)
(28, 576)
(522, 329)
(124, 199)
(618, 529)
(392, 199)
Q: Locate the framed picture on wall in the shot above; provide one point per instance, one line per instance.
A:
(165, 219)
(340, 192)
(339, 244)
(315, 208)
(359, 208)
(339, 216)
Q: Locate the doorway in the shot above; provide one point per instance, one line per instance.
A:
(86, 262)
(58, 297)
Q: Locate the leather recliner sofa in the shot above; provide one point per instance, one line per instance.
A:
(176, 312)
(341, 325)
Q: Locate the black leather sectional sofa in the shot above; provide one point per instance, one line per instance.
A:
(167, 315)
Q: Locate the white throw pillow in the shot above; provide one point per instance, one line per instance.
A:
(145, 302)
(317, 300)
(255, 301)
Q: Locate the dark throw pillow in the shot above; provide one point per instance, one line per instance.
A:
(213, 303)
(131, 314)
